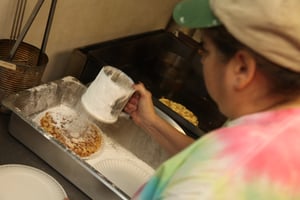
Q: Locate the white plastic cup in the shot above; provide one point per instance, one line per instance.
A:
(108, 94)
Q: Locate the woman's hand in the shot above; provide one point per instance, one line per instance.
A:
(140, 106)
(141, 109)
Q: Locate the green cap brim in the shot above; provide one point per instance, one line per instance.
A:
(195, 14)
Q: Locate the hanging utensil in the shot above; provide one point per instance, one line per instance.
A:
(47, 30)
(25, 29)
(17, 23)
(18, 19)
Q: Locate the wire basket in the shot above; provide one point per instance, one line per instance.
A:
(24, 71)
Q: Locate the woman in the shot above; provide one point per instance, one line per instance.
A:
(256, 84)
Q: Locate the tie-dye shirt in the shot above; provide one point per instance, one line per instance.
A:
(253, 157)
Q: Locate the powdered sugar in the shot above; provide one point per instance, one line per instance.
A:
(75, 132)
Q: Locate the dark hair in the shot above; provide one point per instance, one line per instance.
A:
(284, 81)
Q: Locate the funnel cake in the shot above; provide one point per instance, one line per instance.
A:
(84, 140)
(181, 110)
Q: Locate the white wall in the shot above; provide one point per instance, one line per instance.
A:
(81, 22)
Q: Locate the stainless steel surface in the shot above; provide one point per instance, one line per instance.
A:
(27, 104)
(14, 152)
(74, 169)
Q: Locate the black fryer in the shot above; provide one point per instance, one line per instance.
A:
(168, 66)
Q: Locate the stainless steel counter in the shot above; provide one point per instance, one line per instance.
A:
(14, 152)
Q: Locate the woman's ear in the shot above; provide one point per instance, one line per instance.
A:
(243, 70)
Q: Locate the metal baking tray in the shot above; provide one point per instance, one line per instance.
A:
(123, 134)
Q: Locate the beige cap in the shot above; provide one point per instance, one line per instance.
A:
(269, 27)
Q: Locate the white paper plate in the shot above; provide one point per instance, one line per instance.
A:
(127, 175)
(25, 182)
